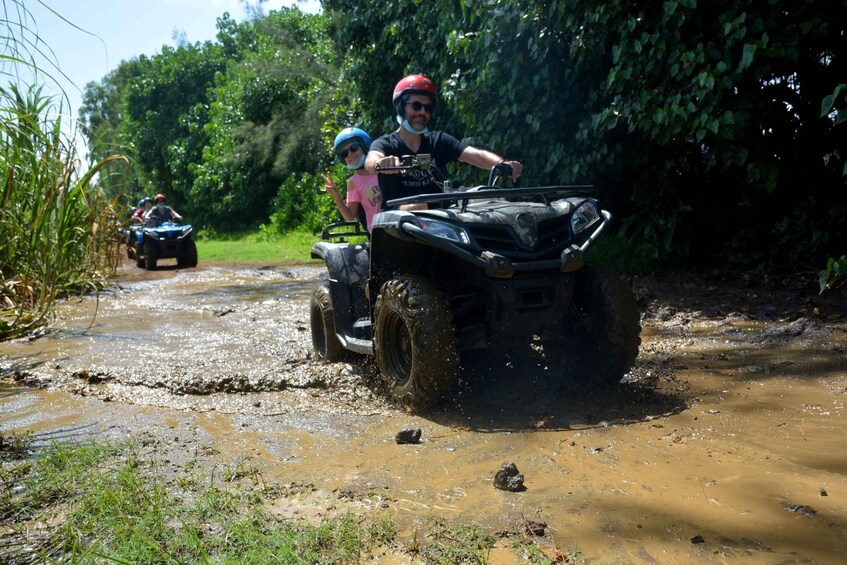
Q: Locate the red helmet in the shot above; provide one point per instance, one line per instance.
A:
(414, 84)
(158, 197)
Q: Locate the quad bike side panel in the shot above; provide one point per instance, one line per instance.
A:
(348, 268)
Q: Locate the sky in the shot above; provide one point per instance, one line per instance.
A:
(117, 30)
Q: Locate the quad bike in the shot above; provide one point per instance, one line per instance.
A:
(151, 242)
(484, 268)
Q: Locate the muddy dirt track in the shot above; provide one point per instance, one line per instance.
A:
(727, 443)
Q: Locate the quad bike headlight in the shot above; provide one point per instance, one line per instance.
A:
(444, 231)
(584, 217)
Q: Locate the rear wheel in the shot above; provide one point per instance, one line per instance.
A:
(603, 322)
(415, 342)
(322, 318)
(149, 256)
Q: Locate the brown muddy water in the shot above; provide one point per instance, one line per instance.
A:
(727, 443)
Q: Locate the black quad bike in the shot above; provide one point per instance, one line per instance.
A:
(163, 240)
(486, 268)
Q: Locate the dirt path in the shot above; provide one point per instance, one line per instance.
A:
(726, 444)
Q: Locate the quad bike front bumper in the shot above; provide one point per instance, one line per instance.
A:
(499, 266)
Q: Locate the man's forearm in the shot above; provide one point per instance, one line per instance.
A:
(371, 161)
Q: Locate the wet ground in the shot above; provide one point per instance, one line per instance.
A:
(725, 444)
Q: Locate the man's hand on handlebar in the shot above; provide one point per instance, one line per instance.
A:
(509, 169)
(389, 165)
(393, 164)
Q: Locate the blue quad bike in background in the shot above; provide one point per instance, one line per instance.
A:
(485, 269)
(147, 244)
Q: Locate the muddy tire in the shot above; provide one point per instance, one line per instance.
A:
(415, 342)
(188, 257)
(139, 259)
(149, 256)
(605, 322)
(324, 341)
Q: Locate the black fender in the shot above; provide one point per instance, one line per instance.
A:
(348, 265)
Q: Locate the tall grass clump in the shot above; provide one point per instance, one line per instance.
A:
(55, 226)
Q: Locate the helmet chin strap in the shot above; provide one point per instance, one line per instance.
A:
(408, 127)
(359, 164)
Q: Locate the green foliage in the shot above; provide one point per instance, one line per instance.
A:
(303, 203)
(165, 107)
(834, 275)
(57, 231)
(117, 506)
(100, 119)
(264, 118)
(698, 121)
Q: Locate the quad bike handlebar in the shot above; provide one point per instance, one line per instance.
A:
(422, 162)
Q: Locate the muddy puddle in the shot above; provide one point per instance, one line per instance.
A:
(727, 443)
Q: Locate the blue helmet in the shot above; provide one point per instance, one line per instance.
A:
(347, 134)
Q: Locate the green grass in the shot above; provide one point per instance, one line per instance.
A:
(252, 249)
(119, 503)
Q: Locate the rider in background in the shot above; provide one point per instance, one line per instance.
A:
(364, 198)
(161, 213)
(414, 100)
(144, 205)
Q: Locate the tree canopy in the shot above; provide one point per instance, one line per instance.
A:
(714, 131)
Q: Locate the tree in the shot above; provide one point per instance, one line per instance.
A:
(264, 122)
(698, 121)
(100, 120)
(165, 109)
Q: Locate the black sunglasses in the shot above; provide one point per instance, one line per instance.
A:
(418, 106)
(352, 149)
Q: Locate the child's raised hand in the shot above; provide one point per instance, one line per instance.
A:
(329, 184)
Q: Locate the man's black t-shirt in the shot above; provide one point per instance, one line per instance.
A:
(444, 149)
(160, 214)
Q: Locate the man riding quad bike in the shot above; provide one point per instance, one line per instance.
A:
(486, 269)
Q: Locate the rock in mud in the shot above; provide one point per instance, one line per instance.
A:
(509, 478)
(533, 528)
(409, 435)
(801, 509)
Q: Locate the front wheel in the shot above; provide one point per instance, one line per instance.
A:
(149, 256)
(415, 342)
(322, 318)
(188, 257)
(603, 321)
(137, 251)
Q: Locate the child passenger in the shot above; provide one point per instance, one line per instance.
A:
(364, 199)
